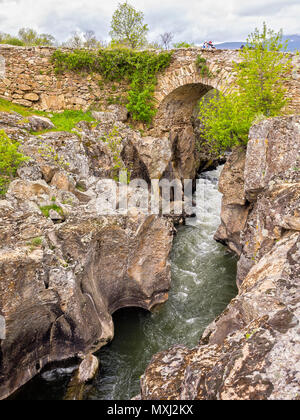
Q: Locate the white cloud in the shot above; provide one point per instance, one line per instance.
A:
(190, 20)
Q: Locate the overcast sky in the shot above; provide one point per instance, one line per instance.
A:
(189, 20)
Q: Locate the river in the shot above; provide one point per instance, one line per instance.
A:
(203, 283)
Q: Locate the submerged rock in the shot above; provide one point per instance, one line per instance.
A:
(87, 371)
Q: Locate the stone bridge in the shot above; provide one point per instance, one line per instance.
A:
(181, 85)
(27, 78)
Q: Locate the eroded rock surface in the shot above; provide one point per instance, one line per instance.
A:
(65, 268)
(252, 350)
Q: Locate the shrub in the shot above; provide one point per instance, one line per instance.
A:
(261, 77)
(12, 41)
(139, 68)
(10, 160)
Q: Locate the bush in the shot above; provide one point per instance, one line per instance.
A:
(261, 93)
(138, 67)
(12, 41)
(10, 160)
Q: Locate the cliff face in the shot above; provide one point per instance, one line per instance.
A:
(252, 350)
(65, 268)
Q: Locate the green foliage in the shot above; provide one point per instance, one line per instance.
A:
(10, 160)
(66, 121)
(11, 40)
(138, 67)
(35, 243)
(225, 122)
(46, 209)
(30, 37)
(260, 80)
(27, 37)
(183, 44)
(127, 26)
(202, 66)
(262, 72)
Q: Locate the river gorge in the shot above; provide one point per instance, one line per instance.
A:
(203, 283)
(161, 311)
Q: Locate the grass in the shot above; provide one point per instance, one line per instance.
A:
(46, 209)
(35, 243)
(6, 106)
(63, 121)
(67, 120)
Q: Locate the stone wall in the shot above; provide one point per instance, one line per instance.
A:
(28, 78)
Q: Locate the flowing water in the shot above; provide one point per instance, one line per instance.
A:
(203, 283)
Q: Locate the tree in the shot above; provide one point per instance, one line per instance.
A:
(166, 39)
(90, 40)
(75, 41)
(29, 36)
(261, 74)
(127, 26)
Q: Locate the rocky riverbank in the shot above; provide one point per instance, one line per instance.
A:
(64, 269)
(252, 350)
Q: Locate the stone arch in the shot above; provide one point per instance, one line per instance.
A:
(178, 92)
(2, 67)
